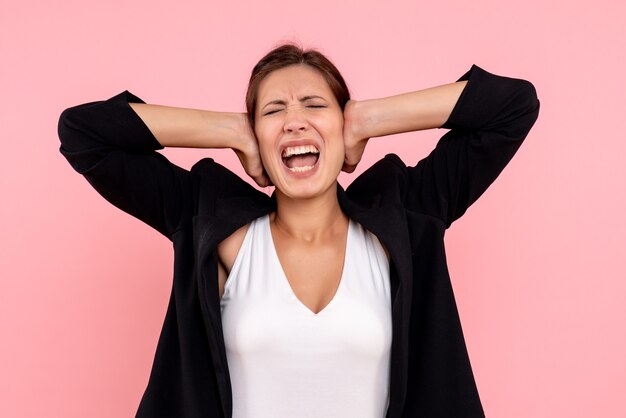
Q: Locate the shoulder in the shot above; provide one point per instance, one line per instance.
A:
(208, 170)
(217, 191)
(213, 179)
(387, 174)
(389, 164)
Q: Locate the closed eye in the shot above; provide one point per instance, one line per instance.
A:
(271, 112)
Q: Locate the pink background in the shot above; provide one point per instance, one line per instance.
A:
(537, 263)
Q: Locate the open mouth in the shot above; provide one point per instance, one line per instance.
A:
(300, 158)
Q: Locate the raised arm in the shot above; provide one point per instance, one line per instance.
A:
(113, 143)
(415, 111)
(195, 128)
(489, 117)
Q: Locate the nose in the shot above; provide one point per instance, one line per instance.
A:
(295, 121)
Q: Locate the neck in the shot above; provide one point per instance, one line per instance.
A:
(309, 219)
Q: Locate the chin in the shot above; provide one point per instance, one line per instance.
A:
(305, 180)
(303, 191)
(305, 187)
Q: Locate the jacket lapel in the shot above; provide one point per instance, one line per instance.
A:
(209, 229)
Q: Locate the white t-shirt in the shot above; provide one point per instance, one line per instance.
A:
(286, 361)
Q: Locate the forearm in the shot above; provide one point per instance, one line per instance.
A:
(192, 128)
(415, 111)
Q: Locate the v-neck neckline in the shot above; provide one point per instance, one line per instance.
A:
(285, 280)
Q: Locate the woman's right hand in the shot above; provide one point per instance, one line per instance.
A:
(247, 150)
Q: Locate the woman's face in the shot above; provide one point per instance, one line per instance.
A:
(299, 126)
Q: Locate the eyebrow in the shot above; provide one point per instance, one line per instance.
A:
(302, 99)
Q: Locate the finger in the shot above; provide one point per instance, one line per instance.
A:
(263, 180)
(348, 168)
(350, 163)
(267, 179)
(260, 180)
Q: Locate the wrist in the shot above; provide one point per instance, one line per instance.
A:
(227, 130)
(241, 137)
(365, 118)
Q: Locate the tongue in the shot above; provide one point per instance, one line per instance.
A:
(301, 160)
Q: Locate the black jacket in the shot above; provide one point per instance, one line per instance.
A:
(407, 208)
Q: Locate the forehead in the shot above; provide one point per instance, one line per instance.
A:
(294, 80)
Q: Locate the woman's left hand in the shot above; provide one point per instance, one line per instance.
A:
(354, 136)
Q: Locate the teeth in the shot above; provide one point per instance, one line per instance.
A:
(301, 169)
(303, 149)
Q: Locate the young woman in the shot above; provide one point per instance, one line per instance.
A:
(314, 302)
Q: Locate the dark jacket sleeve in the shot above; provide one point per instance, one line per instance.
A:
(487, 125)
(109, 144)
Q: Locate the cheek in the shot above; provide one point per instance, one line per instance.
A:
(331, 127)
(335, 131)
(334, 125)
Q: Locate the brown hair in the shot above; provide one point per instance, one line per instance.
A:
(291, 54)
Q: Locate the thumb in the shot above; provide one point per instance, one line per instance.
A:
(263, 180)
